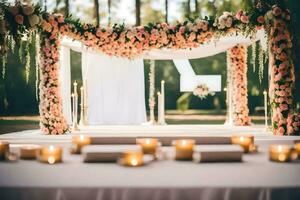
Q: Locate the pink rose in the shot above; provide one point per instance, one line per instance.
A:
(14, 10)
(245, 19)
(281, 130)
(276, 11)
(261, 19)
(239, 14)
(19, 19)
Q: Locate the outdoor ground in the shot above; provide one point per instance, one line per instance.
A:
(18, 123)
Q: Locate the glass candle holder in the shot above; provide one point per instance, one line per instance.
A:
(50, 154)
(297, 147)
(245, 141)
(4, 149)
(78, 142)
(282, 153)
(132, 158)
(149, 145)
(184, 149)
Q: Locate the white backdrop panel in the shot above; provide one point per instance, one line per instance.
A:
(115, 89)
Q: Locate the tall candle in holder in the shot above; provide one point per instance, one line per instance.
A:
(75, 111)
(266, 108)
(159, 107)
(81, 121)
(184, 149)
(50, 154)
(162, 104)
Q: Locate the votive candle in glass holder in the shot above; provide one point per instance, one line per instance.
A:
(297, 147)
(29, 151)
(245, 141)
(4, 149)
(132, 158)
(184, 149)
(50, 154)
(149, 145)
(282, 153)
(78, 142)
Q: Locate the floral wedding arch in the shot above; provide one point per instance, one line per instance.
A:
(18, 21)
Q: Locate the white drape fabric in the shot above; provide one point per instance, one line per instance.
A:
(115, 89)
(65, 82)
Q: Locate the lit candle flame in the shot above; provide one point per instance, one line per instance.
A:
(51, 148)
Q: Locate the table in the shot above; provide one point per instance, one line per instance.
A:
(255, 178)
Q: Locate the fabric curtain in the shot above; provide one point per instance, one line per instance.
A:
(115, 89)
(65, 82)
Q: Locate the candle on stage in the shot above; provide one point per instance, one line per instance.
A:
(245, 141)
(159, 107)
(85, 102)
(78, 142)
(184, 149)
(297, 147)
(81, 122)
(162, 88)
(282, 153)
(75, 104)
(50, 154)
(149, 145)
(266, 107)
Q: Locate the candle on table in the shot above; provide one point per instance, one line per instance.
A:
(297, 147)
(29, 151)
(4, 149)
(149, 145)
(78, 142)
(132, 158)
(245, 141)
(50, 154)
(282, 153)
(266, 108)
(184, 149)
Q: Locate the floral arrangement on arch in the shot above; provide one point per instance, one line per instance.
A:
(238, 62)
(202, 91)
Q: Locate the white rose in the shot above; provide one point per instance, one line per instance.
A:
(33, 20)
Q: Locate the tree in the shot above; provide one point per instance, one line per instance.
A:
(67, 7)
(96, 12)
(109, 11)
(196, 6)
(188, 8)
(166, 10)
(137, 12)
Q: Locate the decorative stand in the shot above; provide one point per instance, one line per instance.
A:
(266, 110)
(83, 105)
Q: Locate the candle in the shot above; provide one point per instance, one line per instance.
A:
(245, 141)
(184, 149)
(29, 151)
(78, 142)
(50, 154)
(162, 106)
(282, 153)
(297, 147)
(149, 145)
(75, 87)
(266, 108)
(159, 107)
(4, 149)
(132, 158)
(81, 121)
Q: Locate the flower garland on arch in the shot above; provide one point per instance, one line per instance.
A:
(238, 63)
(284, 121)
(202, 91)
